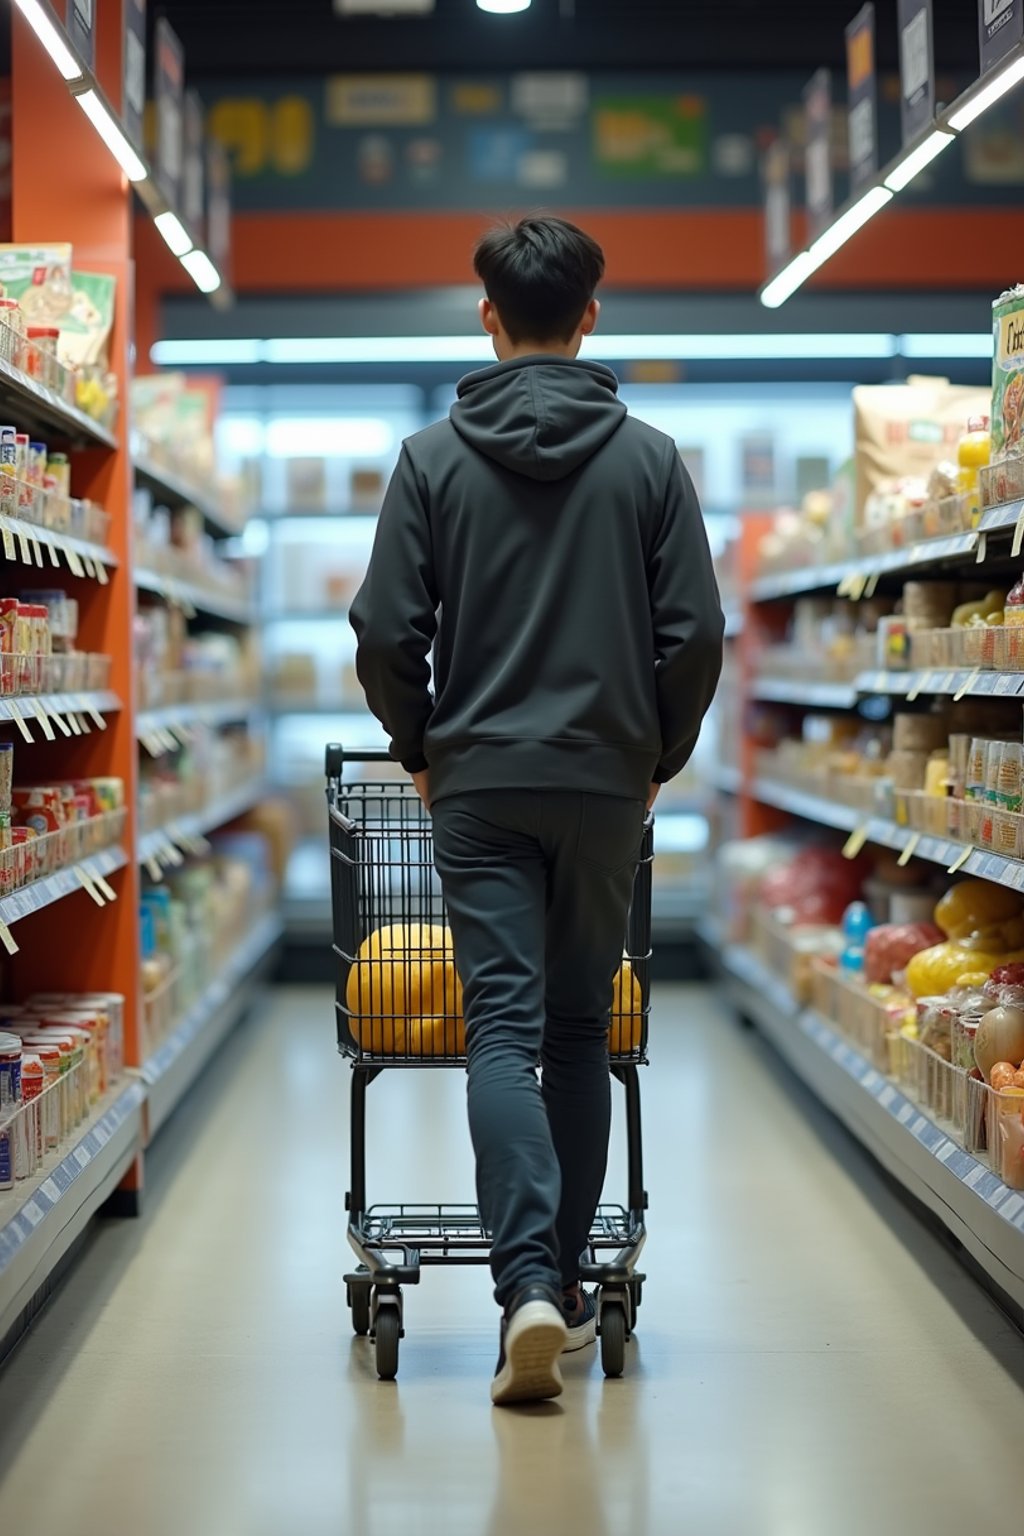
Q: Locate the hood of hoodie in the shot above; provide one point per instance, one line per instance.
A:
(540, 416)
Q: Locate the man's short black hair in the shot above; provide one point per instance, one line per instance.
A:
(540, 274)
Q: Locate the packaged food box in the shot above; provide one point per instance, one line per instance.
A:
(1008, 374)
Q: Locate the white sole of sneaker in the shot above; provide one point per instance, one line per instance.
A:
(534, 1340)
(580, 1337)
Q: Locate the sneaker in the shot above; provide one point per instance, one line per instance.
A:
(580, 1310)
(533, 1334)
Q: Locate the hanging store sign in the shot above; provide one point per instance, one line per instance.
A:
(1002, 27)
(169, 89)
(917, 67)
(193, 197)
(133, 94)
(218, 207)
(777, 206)
(81, 22)
(863, 89)
(818, 155)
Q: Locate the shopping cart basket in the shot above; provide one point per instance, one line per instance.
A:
(399, 1004)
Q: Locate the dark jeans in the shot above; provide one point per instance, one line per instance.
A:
(538, 885)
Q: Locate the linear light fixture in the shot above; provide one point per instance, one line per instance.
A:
(175, 236)
(111, 134)
(848, 223)
(903, 173)
(785, 283)
(746, 347)
(979, 101)
(201, 270)
(503, 7)
(49, 35)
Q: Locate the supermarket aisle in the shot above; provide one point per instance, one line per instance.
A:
(810, 1360)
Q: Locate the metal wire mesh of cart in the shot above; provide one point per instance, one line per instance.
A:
(399, 998)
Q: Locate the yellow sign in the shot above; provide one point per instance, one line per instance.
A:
(381, 101)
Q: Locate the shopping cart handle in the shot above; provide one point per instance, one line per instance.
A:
(336, 757)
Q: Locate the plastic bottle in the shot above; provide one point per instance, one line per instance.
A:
(973, 454)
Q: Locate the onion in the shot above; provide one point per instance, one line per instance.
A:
(1000, 1037)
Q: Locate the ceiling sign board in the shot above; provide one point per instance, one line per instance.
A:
(863, 113)
(1002, 27)
(81, 15)
(777, 206)
(917, 67)
(818, 106)
(133, 99)
(169, 89)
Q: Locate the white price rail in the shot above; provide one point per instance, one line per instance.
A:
(83, 710)
(93, 870)
(42, 1217)
(784, 690)
(153, 726)
(164, 846)
(855, 576)
(962, 1190)
(24, 542)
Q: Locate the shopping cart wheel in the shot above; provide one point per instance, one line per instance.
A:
(359, 1301)
(613, 1337)
(387, 1332)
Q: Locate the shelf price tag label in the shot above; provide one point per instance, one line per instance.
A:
(74, 563)
(44, 720)
(7, 939)
(10, 553)
(105, 887)
(153, 869)
(855, 842)
(1018, 534)
(88, 885)
(961, 859)
(101, 573)
(19, 720)
(90, 569)
(967, 684)
(26, 551)
(37, 551)
(97, 719)
(919, 684)
(66, 727)
(873, 580)
(982, 554)
(909, 851)
(54, 556)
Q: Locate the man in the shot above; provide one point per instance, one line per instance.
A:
(551, 550)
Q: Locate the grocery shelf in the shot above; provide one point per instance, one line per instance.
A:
(36, 407)
(185, 594)
(337, 615)
(188, 829)
(82, 557)
(727, 778)
(961, 682)
(21, 709)
(813, 578)
(178, 491)
(41, 1218)
(887, 834)
(196, 712)
(64, 882)
(978, 1208)
(785, 690)
(174, 1066)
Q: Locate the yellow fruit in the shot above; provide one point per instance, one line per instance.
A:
(972, 905)
(404, 975)
(626, 1027)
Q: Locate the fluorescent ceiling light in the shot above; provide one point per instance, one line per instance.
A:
(176, 236)
(469, 349)
(785, 283)
(202, 271)
(997, 87)
(112, 135)
(927, 151)
(206, 354)
(503, 7)
(51, 39)
(328, 437)
(848, 223)
(947, 345)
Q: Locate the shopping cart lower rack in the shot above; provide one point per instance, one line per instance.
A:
(399, 1004)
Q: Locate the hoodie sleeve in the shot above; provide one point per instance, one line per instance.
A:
(687, 619)
(394, 615)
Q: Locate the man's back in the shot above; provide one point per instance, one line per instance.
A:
(569, 569)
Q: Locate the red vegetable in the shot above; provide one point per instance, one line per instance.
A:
(816, 886)
(890, 947)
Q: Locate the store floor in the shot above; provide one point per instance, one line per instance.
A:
(810, 1359)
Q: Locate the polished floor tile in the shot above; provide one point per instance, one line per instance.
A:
(811, 1361)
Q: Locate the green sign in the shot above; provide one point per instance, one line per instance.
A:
(638, 137)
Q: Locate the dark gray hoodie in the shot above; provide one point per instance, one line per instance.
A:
(551, 549)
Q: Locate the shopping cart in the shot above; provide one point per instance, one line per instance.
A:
(399, 1004)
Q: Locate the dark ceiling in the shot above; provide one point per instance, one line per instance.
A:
(266, 37)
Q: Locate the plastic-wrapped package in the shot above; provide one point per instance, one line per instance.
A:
(889, 948)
